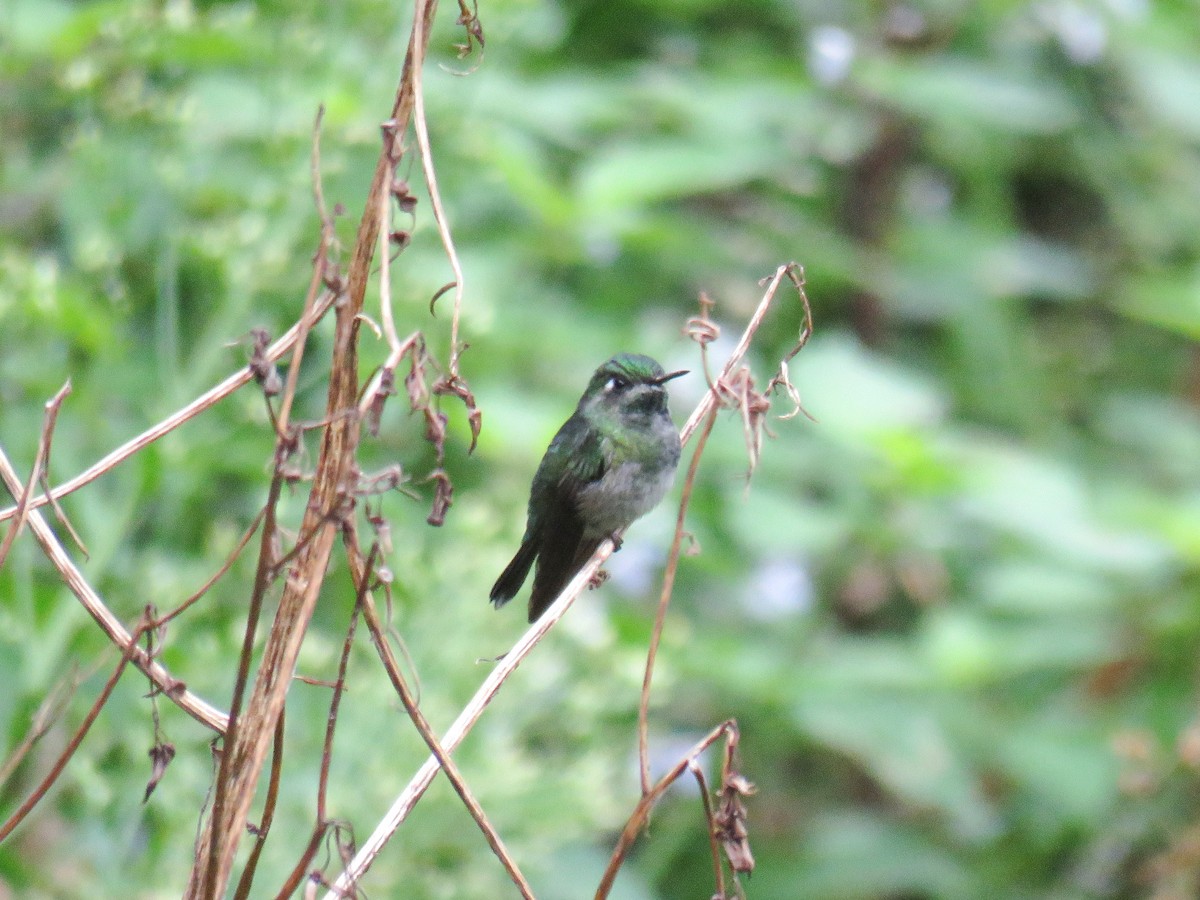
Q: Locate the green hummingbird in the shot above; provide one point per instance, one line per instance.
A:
(609, 464)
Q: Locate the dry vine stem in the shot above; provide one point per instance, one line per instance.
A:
(706, 411)
(238, 379)
(17, 817)
(172, 687)
(471, 713)
(330, 504)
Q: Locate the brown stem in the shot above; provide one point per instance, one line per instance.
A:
(268, 816)
(327, 497)
(362, 573)
(194, 706)
(718, 869)
(262, 580)
(80, 733)
(664, 600)
(640, 813)
(339, 686)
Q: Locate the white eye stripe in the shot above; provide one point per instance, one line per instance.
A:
(615, 383)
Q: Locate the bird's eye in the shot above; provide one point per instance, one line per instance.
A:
(615, 383)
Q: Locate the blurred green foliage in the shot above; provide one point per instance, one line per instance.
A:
(955, 615)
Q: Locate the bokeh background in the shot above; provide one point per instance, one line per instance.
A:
(956, 615)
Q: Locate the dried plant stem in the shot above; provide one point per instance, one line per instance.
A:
(225, 567)
(362, 574)
(320, 260)
(47, 713)
(339, 686)
(466, 720)
(39, 461)
(268, 816)
(640, 813)
(718, 869)
(262, 580)
(173, 688)
(329, 500)
(664, 600)
(80, 733)
(712, 399)
(439, 215)
(170, 423)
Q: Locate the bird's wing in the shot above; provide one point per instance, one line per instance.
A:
(574, 458)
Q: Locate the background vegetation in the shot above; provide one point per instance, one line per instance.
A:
(956, 615)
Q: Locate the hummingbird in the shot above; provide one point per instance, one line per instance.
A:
(609, 464)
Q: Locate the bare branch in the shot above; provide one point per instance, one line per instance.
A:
(466, 720)
(362, 573)
(208, 399)
(47, 713)
(198, 709)
(80, 733)
(39, 461)
(664, 600)
(268, 816)
(642, 811)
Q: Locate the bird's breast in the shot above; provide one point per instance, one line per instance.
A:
(634, 483)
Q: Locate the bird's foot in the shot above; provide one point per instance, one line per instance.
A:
(598, 579)
(617, 540)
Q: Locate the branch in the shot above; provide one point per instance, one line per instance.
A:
(362, 574)
(642, 811)
(170, 423)
(39, 462)
(328, 501)
(176, 691)
(466, 721)
(80, 733)
(664, 600)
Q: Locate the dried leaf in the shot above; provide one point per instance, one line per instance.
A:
(435, 430)
(405, 199)
(443, 497)
(730, 820)
(263, 368)
(414, 382)
(456, 386)
(386, 388)
(161, 755)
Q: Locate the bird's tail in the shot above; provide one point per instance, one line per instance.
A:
(554, 573)
(514, 574)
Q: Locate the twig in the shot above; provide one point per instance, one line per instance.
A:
(39, 460)
(664, 600)
(268, 816)
(703, 332)
(47, 713)
(339, 685)
(711, 399)
(718, 869)
(638, 818)
(80, 733)
(466, 720)
(225, 567)
(262, 580)
(362, 574)
(170, 423)
(198, 709)
(439, 213)
(320, 263)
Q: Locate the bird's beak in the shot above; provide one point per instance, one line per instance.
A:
(665, 378)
